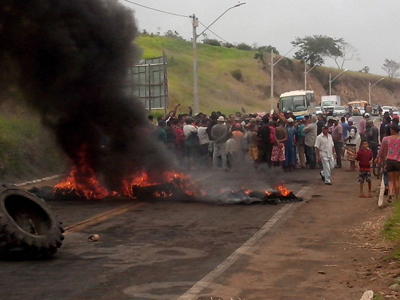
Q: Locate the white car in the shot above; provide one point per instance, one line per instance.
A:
(318, 110)
(339, 111)
(386, 109)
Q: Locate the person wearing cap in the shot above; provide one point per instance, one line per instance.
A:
(290, 148)
(325, 154)
(337, 136)
(362, 126)
(219, 133)
(320, 124)
(372, 136)
(390, 150)
(351, 144)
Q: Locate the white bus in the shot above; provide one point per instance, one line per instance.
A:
(300, 103)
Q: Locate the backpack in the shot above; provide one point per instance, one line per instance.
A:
(192, 139)
(272, 139)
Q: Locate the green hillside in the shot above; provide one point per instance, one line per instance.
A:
(218, 90)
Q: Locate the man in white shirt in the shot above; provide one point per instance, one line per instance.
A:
(325, 154)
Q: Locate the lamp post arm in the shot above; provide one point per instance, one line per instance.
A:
(338, 75)
(311, 69)
(283, 56)
(376, 82)
(237, 5)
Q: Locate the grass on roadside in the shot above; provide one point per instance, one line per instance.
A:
(27, 150)
(391, 230)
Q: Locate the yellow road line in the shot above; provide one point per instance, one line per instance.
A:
(101, 218)
(97, 219)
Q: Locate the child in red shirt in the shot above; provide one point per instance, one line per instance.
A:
(364, 158)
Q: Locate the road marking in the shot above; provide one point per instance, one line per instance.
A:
(221, 268)
(110, 214)
(39, 180)
(101, 218)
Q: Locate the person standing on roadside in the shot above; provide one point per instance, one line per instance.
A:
(219, 133)
(364, 157)
(372, 136)
(351, 144)
(290, 146)
(337, 135)
(300, 143)
(264, 147)
(362, 126)
(390, 150)
(278, 150)
(310, 132)
(320, 124)
(325, 154)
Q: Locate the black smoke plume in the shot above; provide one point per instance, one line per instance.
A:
(69, 59)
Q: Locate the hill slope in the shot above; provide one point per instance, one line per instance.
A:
(218, 90)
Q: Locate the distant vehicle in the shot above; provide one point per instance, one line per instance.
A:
(386, 109)
(318, 110)
(339, 111)
(300, 103)
(328, 103)
(375, 110)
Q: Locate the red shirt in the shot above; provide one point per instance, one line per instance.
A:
(364, 157)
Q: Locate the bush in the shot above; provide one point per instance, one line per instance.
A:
(212, 42)
(244, 46)
(228, 45)
(237, 74)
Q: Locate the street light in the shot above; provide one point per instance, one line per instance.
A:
(195, 24)
(332, 80)
(305, 74)
(370, 87)
(272, 64)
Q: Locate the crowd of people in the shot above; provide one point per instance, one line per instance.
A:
(222, 142)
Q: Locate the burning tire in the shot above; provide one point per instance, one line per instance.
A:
(28, 228)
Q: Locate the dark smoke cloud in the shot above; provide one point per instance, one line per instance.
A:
(69, 59)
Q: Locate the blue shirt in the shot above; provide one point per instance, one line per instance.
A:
(346, 128)
(291, 133)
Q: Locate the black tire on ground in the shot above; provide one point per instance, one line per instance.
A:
(28, 228)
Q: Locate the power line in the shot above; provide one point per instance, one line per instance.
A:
(214, 33)
(159, 10)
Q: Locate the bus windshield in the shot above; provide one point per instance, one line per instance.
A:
(294, 103)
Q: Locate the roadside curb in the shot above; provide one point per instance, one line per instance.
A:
(39, 180)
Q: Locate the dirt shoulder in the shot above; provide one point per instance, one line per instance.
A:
(330, 248)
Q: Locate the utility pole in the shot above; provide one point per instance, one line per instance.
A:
(332, 80)
(195, 24)
(272, 78)
(305, 74)
(370, 86)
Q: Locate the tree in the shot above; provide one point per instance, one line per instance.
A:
(391, 67)
(364, 70)
(314, 49)
(173, 35)
(260, 54)
(348, 52)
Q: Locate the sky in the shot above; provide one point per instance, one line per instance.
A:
(370, 26)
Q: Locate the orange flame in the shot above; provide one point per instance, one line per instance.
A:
(283, 190)
(82, 181)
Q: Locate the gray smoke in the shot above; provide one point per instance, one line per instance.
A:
(68, 59)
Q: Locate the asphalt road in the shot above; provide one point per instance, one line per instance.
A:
(152, 250)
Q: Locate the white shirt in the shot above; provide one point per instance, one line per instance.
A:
(324, 144)
(231, 146)
(187, 129)
(203, 135)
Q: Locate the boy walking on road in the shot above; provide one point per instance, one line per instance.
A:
(364, 158)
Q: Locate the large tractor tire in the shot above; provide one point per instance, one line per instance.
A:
(28, 228)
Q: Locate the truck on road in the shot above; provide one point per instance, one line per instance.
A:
(328, 104)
